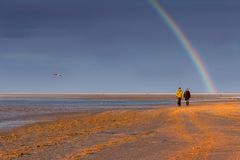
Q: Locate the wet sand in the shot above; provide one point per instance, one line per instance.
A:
(200, 131)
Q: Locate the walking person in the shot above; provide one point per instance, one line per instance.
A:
(179, 95)
(187, 96)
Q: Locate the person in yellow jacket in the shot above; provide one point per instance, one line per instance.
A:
(179, 95)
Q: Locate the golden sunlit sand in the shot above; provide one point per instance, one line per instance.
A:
(202, 131)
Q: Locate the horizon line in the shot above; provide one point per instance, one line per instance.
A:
(110, 93)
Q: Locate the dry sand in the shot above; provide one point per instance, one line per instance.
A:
(203, 131)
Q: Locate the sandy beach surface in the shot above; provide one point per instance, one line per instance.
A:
(200, 131)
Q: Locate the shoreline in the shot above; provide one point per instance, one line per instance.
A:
(46, 116)
(38, 117)
(199, 130)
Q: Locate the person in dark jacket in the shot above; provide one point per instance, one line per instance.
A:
(187, 96)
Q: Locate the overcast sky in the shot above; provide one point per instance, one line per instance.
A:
(116, 45)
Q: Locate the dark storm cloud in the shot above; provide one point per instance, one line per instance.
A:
(25, 18)
(88, 27)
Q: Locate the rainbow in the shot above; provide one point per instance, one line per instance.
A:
(193, 54)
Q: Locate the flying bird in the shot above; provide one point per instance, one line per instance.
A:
(57, 75)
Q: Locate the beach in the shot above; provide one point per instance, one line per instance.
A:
(199, 131)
